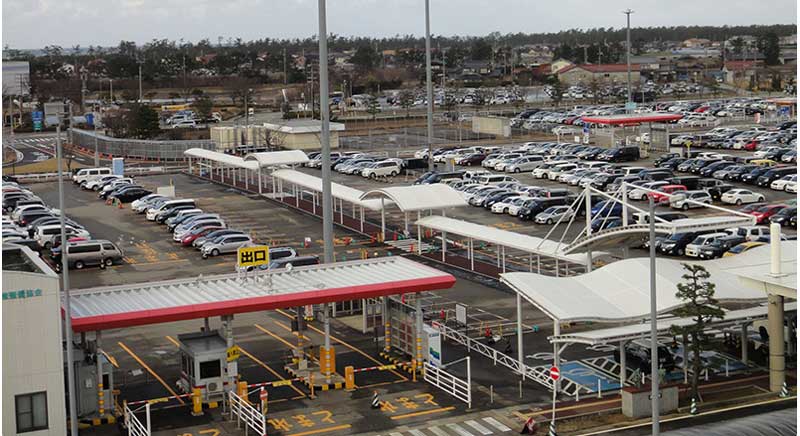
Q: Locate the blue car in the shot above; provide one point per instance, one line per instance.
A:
(604, 209)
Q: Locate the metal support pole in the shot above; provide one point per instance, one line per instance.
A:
(623, 365)
(685, 359)
(556, 359)
(444, 246)
(471, 254)
(428, 82)
(628, 13)
(99, 352)
(418, 314)
(745, 343)
(259, 179)
(96, 152)
(233, 366)
(326, 313)
(327, 213)
(73, 410)
(654, 400)
(520, 354)
(624, 188)
(777, 362)
(383, 220)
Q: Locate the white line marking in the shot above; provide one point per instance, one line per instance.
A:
(496, 424)
(458, 429)
(437, 431)
(481, 429)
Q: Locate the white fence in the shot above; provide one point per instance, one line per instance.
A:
(450, 383)
(132, 423)
(568, 386)
(247, 414)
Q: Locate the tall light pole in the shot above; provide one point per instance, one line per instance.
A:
(628, 13)
(140, 79)
(429, 81)
(324, 116)
(654, 375)
(111, 90)
(73, 411)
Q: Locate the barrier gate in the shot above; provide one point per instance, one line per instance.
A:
(245, 412)
(132, 423)
(450, 383)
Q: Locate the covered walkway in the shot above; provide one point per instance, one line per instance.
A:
(418, 198)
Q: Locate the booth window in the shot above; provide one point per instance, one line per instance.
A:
(31, 412)
(210, 369)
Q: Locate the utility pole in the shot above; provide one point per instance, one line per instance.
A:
(73, 414)
(654, 376)
(628, 13)
(324, 116)
(429, 81)
(285, 76)
(140, 79)
(111, 90)
(83, 90)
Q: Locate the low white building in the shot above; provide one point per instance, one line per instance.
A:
(302, 134)
(33, 366)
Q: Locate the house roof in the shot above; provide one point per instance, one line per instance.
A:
(739, 65)
(601, 68)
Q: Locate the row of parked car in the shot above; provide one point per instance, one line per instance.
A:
(713, 244)
(28, 221)
(364, 164)
(779, 140)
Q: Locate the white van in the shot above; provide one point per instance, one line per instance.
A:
(693, 249)
(493, 179)
(169, 204)
(86, 174)
(44, 234)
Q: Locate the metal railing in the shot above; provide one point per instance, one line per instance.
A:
(245, 412)
(133, 424)
(449, 383)
(41, 177)
(137, 148)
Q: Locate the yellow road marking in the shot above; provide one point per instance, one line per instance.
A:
(150, 370)
(289, 329)
(285, 342)
(424, 412)
(272, 371)
(321, 430)
(347, 345)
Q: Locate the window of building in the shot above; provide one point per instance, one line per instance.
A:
(210, 369)
(31, 412)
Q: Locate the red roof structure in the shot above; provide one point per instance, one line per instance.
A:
(633, 119)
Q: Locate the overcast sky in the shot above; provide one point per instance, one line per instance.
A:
(36, 23)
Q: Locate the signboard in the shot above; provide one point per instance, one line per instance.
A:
(554, 373)
(233, 353)
(434, 341)
(252, 256)
(37, 117)
(461, 314)
(630, 106)
(89, 119)
(118, 166)
(585, 129)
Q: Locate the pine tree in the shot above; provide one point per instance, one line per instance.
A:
(698, 294)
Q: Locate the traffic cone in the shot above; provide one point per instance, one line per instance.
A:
(552, 431)
(376, 401)
(784, 390)
(693, 407)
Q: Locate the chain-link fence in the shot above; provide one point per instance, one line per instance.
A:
(136, 148)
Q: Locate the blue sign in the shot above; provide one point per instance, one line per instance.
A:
(37, 116)
(90, 119)
(585, 129)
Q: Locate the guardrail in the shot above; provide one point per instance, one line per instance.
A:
(248, 414)
(41, 177)
(449, 383)
(133, 424)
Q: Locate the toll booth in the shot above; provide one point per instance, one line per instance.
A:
(85, 366)
(204, 364)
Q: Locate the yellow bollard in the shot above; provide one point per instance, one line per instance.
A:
(241, 390)
(197, 402)
(349, 378)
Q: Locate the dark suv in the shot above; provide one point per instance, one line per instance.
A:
(638, 356)
(675, 244)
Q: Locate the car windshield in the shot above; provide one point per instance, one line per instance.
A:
(739, 248)
(764, 209)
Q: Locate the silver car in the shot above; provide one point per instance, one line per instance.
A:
(553, 214)
(226, 244)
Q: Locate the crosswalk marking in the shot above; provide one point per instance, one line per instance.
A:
(481, 429)
(395, 434)
(416, 433)
(438, 431)
(458, 429)
(496, 424)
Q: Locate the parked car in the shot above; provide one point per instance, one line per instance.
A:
(784, 216)
(552, 214)
(293, 262)
(93, 252)
(780, 184)
(693, 248)
(720, 246)
(225, 244)
(130, 195)
(690, 199)
(85, 174)
(381, 169)
(665, 192)
(763, 213)
(742, 247)
(741, 196)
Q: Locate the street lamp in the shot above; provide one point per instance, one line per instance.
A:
(429, 82)
(246, 108)
(628, 13)
(111, 90)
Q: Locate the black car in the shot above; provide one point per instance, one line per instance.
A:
(690, 182)
(699, 164)
(774, 174)
(497, 197)
(116, 192)
(664, 158)
(752, 177)
(735, 174)
(672, 164)
(720, 246)
(534, 206)
(708, 170)
(602, 181)
(637, 355)
(675, 244)
(132, 194)
(784, 216)
(28, 217)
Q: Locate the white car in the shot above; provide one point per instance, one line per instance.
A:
(641, 194)
(525, 163)
(94, 184)
(387, 168)
(421, 154)
(780, 184)
(681, 200)
(552, 214)
(503, 206)
(791, 187)
(693, 249)
(185, 124)
(741, 196)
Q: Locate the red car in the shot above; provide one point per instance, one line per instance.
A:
(763, 213)
(188, 239)
(664, 192)
(751, 146)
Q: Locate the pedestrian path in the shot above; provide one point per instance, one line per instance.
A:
(475, 426)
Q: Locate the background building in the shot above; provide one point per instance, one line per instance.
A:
(604, 73)
(33, 366)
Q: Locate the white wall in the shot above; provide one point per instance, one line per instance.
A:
(32, 353)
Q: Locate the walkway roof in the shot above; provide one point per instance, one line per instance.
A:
(314, 183)
(620, 291)
(493, 235)
(632, 119)
(277, 158)
(177, 300)
(419, 197)
(640, 330)
(222, 158)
